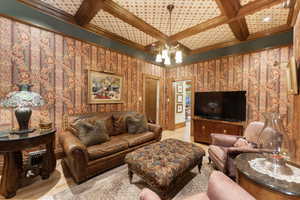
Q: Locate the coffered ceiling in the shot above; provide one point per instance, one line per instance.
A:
(186, 13)
(276, 14)
(198, 25)
(117, 26)
(210, 37)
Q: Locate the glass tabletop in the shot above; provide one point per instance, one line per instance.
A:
(242, 163)
(7, 135)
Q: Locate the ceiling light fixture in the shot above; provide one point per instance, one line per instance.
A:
(266, 19)
(168, 51)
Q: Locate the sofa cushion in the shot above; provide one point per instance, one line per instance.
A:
(119, 122)
(242, 143)
(112, 146)
(136, 123)
(92, 118)
(137, 139)
(91, 134)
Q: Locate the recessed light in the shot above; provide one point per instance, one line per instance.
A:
(266, 19)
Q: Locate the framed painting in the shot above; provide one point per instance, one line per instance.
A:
(179, 88)
(104, 88)
(179, 98)
(291, 77)
(179, 108)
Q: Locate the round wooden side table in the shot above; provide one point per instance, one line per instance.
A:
(263, 186)
(11, 146)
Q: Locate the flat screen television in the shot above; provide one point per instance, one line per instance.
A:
(227, 106)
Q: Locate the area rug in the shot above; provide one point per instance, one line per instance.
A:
(114, 185)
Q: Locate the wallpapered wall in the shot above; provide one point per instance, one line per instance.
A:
(57, 67)
(258, 73)
(297, 97)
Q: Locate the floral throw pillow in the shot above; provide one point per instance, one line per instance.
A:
(92, 134)
(136, 123)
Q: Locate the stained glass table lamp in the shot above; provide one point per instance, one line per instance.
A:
(22, 101)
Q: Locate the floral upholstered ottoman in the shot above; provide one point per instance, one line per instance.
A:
(159, 164)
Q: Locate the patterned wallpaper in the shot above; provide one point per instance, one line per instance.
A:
(57, 66)
(297, 97)
(255, 72)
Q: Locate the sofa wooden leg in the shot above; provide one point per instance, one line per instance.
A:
(130, 175)
(209, 160)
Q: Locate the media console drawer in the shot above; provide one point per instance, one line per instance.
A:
(204, 127)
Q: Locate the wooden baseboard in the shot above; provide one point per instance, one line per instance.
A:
(180, 125)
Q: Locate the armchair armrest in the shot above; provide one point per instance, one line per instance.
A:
(223, 140)
(157, 129)
(235, 151)
(220, 187)
(148, 194)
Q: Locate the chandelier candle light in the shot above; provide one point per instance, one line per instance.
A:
(167, 51)
(22, 101)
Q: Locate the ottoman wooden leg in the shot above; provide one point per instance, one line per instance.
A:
(209, 160)
(200, 165)
(130, 175)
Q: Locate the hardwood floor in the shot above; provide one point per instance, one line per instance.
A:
(60, 181)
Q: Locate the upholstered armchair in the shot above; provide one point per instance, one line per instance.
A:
(220, 187)
(225, 148)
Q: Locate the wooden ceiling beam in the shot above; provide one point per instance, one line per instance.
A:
(52, 11)
(294, 12)
(87, 11)
(230, 10)
(126, 16)
(211, 23)
(248, 9)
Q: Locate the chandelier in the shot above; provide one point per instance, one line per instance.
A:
(167, 51)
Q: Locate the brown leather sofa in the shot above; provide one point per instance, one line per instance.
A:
(84, 162)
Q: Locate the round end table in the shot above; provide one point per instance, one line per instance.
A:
(263, 186)
(12, 145)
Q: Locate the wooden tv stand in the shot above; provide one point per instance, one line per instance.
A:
(203, 127)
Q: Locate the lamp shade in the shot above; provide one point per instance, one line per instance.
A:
(167, 61)
(158, 58)
(178, 57)
(22, 98)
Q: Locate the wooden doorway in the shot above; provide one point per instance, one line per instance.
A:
(151, 98)
(172, 98)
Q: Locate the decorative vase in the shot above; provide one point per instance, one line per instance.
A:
(275, 144)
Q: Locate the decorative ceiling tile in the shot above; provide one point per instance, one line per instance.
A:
(69, 6)
(267, 18)
(212, 36)
(186, 13)
(115, 25)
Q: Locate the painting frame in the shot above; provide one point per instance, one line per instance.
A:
(179, 98)
(112, 95)
(179, 88)
(291, 77)
(179, 108)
